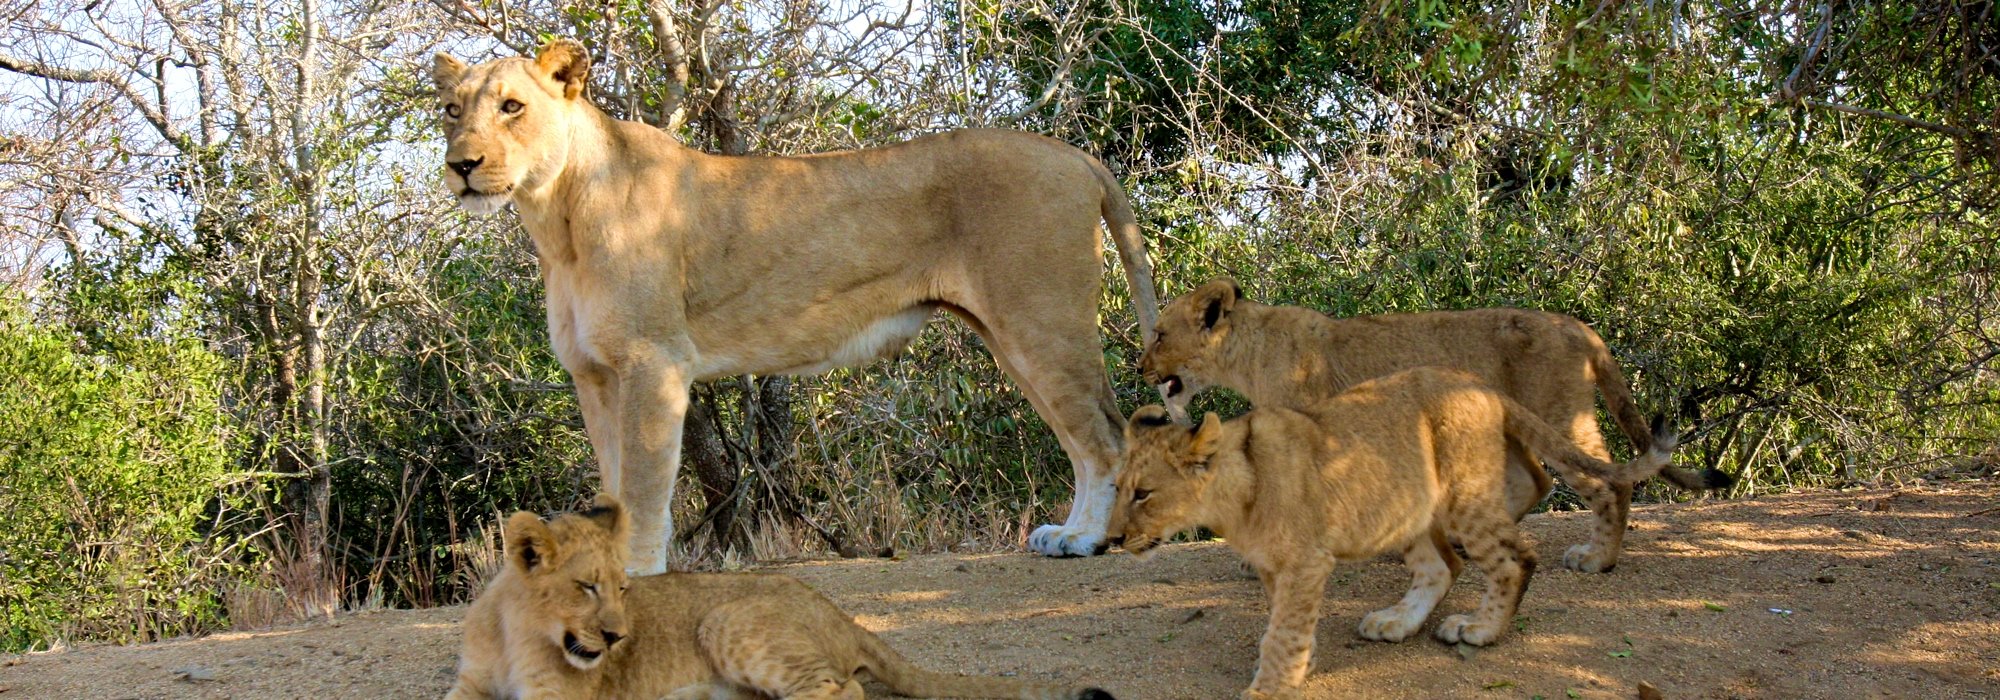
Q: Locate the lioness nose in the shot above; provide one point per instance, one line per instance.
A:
(611, 638)
(464, 167)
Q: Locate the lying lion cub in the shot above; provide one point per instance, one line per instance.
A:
(1294, 357)
(1405, 462)
(555, 624)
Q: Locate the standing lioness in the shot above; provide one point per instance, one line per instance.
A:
(1296, 357)
(1408, 462)
(664, 266)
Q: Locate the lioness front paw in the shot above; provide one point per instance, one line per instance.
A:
(1589, 559)
(1279, 694)
(1461, 628)
(1392, 624)
(1066, 541)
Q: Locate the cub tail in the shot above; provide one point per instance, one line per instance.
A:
(1618, 402)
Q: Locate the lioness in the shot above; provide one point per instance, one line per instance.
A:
(1409, 461)
(664, 265)
(563, 621)
(1294, 357)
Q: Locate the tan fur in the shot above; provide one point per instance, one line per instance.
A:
(680, 636)
(664, 266)
(1291, 356)
(1406, 462)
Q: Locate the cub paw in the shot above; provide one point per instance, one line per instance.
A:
(1389, 625)
(1589, 559)
(1245, 571)
(1280, 694)
(1461, 628)
(1065, 541)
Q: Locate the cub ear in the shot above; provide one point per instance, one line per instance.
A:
(568, 63)
(1216, 299)
(446, 71)
(529, 542)
(610, 514)
(1207, 438)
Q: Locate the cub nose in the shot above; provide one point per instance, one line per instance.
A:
(611, 638)
(464, 167)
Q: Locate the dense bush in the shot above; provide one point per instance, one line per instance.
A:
(111, 481)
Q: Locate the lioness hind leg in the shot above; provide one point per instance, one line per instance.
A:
(1058, 362)
(1527, 482)
(1433, 567)
(1507, 558)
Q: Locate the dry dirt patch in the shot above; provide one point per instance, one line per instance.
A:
(1819, 595)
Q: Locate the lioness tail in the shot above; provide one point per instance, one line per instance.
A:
(1124, 228)
(906, 678)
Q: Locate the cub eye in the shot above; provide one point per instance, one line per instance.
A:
(1140, 495)
(512, 106)
(590, 588)
(452, 111)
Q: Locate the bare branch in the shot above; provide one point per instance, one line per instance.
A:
(151, 112)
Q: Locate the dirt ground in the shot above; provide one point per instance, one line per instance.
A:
(1855, 594)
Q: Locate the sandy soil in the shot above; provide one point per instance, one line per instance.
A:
(1822, 595)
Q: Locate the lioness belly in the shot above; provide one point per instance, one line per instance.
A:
(878, 339)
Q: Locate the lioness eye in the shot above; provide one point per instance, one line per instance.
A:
(451, 111)
(590, 588)
(1140, 495)
(512, 106)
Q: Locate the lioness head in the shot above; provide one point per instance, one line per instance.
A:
(1165, 479)
(506, 121)
(1188, 339)
(573, 568)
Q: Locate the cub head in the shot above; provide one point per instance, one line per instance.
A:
(1164, 483)
(506, 121)
(573, 568)
(1187, 341)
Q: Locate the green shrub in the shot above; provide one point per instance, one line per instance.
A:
(111, 464)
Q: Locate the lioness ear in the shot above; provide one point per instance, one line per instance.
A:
(1217, 299)
(446, 71)
(1207, 439)
(610, 515)
(568, 62)
(529, 542)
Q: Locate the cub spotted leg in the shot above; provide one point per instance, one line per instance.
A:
(1285, 655)
(713, 691)
(1433, 567)
(778, 661)
(1508, 560)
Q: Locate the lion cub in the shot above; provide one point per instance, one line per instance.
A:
(1405, 462)
(563, 621)
(1291, 356)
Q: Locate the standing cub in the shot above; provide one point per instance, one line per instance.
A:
(1406, 462)
(561, 621)
(1295, 357)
